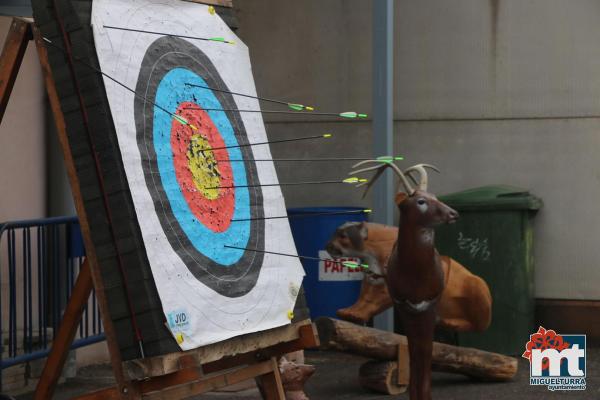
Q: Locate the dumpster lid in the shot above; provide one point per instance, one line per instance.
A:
(493, 197)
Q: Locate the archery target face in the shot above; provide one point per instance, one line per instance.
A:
(188, 183)
(186, 164)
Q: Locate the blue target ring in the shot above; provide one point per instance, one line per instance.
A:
(172, 91)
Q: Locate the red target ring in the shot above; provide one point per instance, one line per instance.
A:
(199, 168)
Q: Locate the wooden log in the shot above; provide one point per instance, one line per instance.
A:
(373, 343)
(381, 376)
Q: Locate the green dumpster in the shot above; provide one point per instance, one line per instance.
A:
(493, 238)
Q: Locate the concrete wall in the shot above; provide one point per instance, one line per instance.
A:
(315, 53)
(490, 91)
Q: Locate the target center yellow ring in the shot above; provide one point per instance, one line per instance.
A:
(203, 166)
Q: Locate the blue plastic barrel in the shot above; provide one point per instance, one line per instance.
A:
(335, 287)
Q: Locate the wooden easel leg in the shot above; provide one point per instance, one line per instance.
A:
(11, 58)
(125, 387)
(66, 333)
(270, 385)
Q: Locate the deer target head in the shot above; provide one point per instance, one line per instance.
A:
(416, 205)
(423, 209)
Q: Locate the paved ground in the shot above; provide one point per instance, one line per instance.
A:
(336, 378)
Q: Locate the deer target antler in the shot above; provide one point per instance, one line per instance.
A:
(380, 168)
(423, 178)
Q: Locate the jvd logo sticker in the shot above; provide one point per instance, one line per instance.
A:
(179, 321)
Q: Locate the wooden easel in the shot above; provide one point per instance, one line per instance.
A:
(170, 376)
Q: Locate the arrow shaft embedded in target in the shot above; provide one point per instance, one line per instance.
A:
(302, 159)
(324, 136)
(293, 106)
(301, 215)
(345, 263)
(281, 184)
(213, 39)
(347, 114)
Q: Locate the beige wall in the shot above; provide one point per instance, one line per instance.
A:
(460, 68)
(23, 142)
(26, 153)
(22, 154)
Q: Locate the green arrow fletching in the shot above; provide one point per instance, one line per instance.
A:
(353, 265)
(385, 159)
(352, 114)
(389, 159)
(296, 107)
(221, 40)
(180, 119)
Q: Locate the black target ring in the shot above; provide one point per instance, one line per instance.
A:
(238, 278)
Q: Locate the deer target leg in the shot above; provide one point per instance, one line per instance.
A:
(419, 331)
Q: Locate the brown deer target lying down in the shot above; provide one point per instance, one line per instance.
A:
(466, 302)
(415, 276)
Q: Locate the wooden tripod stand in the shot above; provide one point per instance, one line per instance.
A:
(170, 376)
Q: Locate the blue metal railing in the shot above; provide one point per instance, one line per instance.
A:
(39, 263)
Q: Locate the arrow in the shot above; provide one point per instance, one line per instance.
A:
(348, 264)
(347, 180)
(213, 39)
(174, 116)
(352, 265)
(291, 106)
(301, 215)
(325, 135)
(346, 114)
(383, 159)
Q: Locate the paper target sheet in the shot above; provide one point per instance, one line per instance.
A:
(191, 197)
